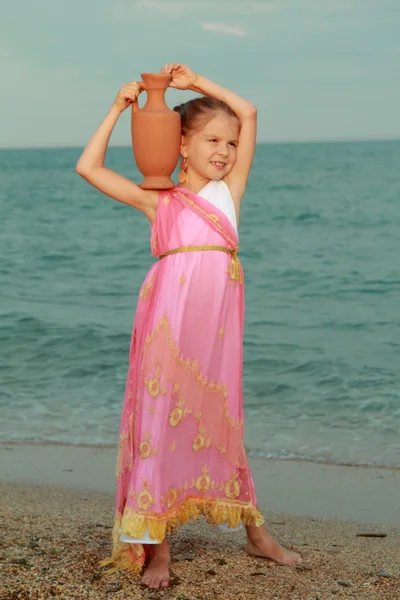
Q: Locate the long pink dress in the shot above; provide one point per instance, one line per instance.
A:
(181, 451)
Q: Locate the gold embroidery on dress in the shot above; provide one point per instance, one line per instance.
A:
(198, 443)
(232, 488)
(178, 413)
(193, 366)
(145, 499)
(166, 200)
(175, 417)
(145, 291)
(172, 446)
(144, 449)
(234, 269)
(221, 332)
(212, 217)
(153, 385)
(182, 280)
(171, 497)
(154, 244)
(203, 482)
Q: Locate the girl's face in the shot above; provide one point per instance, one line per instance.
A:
(211, 152)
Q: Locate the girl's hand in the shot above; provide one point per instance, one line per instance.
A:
(128, 95)
(182, 77)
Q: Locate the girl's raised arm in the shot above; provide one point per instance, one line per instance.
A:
(247, 115)
(91, 167)
(184, 78)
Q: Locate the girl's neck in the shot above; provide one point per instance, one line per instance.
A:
(194, 184)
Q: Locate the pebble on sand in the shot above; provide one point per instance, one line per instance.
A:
(343, 583)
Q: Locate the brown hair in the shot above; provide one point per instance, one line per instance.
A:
(201, 109)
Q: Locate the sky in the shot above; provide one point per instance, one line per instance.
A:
(315, 69)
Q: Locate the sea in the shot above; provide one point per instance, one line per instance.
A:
(320, 247)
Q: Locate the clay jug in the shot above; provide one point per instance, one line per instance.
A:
(156, 135)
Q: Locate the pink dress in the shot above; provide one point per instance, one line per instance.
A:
(181, 452)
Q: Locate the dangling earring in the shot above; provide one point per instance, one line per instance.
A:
(183, 175)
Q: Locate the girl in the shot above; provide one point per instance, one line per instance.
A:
(181, 453)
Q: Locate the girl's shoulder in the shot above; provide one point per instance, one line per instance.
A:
(219, 184)
(224, 187)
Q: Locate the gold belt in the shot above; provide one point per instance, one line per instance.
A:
(234, 270)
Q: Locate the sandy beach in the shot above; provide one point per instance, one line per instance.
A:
(56, 512)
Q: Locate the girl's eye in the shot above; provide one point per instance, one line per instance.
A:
(233, 144)
(213, 140)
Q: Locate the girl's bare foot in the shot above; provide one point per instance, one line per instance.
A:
(156, 575)
(260, 543)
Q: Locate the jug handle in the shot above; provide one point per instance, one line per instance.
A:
(135, 106)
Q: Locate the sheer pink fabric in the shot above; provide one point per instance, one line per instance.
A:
(181, 452)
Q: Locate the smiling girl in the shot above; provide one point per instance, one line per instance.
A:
(181, 451)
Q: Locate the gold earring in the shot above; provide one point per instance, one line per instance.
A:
(183, 175)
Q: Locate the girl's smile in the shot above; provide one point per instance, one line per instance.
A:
(211, 152)
(218, 165)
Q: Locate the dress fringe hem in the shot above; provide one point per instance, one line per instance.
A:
(131, 557)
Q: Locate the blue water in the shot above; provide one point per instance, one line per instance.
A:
(320, 245)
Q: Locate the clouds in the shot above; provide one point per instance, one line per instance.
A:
(224, 29)
(124, 11)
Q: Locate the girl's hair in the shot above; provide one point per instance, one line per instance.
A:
(199, 111)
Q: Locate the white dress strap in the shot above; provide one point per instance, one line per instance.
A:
(218, 193)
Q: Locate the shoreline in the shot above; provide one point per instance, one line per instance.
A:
(298, 488)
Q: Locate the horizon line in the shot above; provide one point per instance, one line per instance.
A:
(268, 143)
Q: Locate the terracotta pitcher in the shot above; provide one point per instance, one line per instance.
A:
(156, 135)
